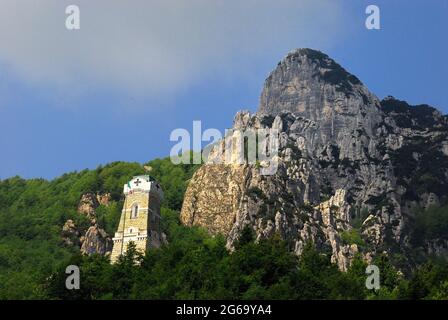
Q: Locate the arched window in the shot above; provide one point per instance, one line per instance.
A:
(134, 211)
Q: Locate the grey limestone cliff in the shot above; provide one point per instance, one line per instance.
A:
(348, 166)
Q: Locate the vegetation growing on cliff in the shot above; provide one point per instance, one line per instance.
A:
(33, 255)
(196, 266)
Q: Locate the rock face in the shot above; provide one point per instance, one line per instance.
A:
(225, 189)
(87, 206)
(94, 239)
(70, 233)
(348, 164)
(104, 199)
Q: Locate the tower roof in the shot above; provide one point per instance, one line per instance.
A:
(143, 183)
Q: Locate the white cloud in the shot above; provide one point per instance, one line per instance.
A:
(154, 48)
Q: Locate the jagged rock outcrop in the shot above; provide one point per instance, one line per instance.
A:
(87, 206)
(94, 239)
(70, 233)
(347, 164)
(104, 199)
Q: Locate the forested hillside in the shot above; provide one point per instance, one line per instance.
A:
(33, 255)
(32, 213)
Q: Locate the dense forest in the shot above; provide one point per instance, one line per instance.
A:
(193, 265)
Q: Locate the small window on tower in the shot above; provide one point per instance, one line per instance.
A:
(134, 212)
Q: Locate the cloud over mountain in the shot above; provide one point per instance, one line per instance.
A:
(153, 48)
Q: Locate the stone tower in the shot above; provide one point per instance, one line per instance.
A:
(140, 217)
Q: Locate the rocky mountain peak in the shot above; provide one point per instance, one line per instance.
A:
(416, 117)
(311, 84)
(351, 170)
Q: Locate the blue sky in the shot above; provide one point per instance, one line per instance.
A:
(116, 88)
